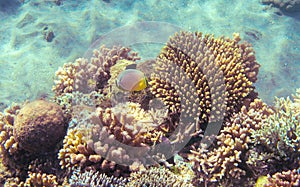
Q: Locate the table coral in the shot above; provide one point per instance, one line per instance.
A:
(204, 76)
(39, 126)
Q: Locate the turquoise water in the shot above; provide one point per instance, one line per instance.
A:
(28, 61)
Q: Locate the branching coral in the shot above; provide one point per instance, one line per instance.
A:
(78, 151)
(281, 134)
(75, 151)
(290, 178)
(12, 156)
(224, 163)
(130, 124)
(94, 179)
(125, 132)
(159, 177)
(34, 179)
(278, 140)
(86, 75)
(38, 179)
(204, 76)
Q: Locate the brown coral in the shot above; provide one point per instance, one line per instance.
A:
(204, 77)
(77, 151)
(40, 179)
(290, 178)
(11, 155)
(39, 126)
(225, 163)
(130, 124)
(93, 178)
(125, 132)
(159, 177)
(277, 146)
(74, 151)
(86, 75)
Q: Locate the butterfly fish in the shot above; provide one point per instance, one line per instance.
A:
(131, 79)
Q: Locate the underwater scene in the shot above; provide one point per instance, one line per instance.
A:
(149, 93)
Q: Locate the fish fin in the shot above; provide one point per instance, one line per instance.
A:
(131, 66)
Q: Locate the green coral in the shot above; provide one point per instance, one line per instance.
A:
(281, 134)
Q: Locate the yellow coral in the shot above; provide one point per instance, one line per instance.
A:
(196, 75)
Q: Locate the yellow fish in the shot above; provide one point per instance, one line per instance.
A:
(131, 80)
(261, 181)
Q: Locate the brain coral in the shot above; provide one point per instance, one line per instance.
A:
(39, 126)
(204, 76)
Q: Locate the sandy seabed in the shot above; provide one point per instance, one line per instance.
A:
(28, 61)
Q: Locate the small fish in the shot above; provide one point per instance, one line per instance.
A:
(131, 80)
(261, 181)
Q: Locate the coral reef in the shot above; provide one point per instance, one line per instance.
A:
(277, 146)
(204, 76)
(225, 164)
(290, 178)
(33, 179)
(92, 141)
(39, 126)
(11, 156)
(74, 151)
(77, 152)
(94, 179)
(19, 165)
(86, 75)
(284, 5)
(130, 125)
(119, 138)
(38, 179)
(155, 176)
(282, 132)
